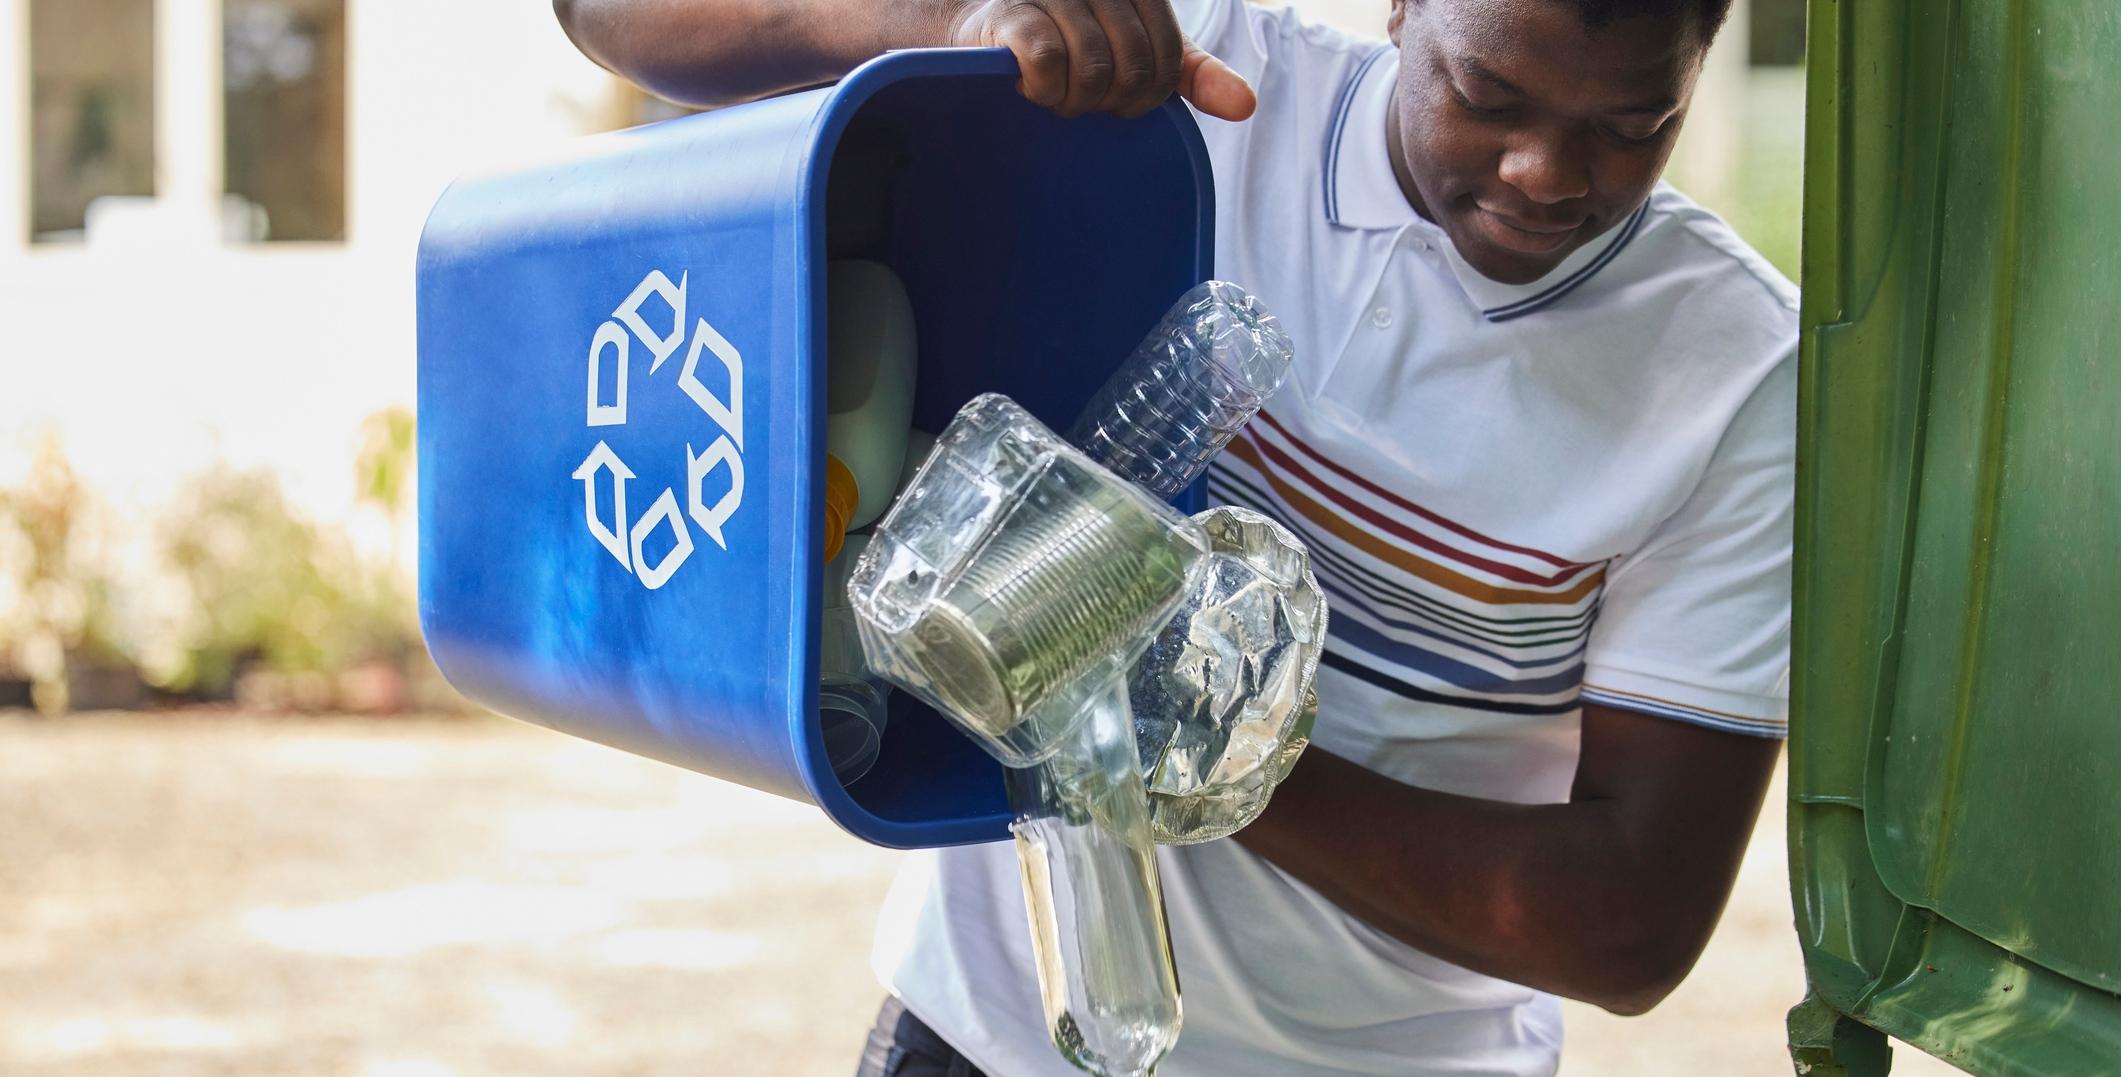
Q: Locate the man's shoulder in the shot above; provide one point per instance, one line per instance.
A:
(1694, 252)
(1261, 41)
(1691, 293)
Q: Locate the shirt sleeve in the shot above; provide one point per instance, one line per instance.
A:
(1208, 22)
(1695, 625)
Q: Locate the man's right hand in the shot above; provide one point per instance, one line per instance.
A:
(1077, 56)
(1118, 56)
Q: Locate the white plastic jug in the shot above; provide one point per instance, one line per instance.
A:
(869, 393)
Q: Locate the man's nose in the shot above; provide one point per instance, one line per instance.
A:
(1546, 167)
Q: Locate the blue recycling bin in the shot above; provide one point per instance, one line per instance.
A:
(621, 397)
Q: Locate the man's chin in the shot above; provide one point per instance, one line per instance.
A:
(1506, 266)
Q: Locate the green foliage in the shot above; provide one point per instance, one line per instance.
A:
(264, 585)
(60, 605)
(384, 466)
(1761, 191)
(1767, 206)
(236, 578)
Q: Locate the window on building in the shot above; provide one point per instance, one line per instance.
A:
(283, 66)
(92, 109)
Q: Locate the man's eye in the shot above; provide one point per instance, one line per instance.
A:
(1483, 111)
(1634, 138)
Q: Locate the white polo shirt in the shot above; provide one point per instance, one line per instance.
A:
(1517, 497)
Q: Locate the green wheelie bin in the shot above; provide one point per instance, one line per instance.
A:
(1955, 752)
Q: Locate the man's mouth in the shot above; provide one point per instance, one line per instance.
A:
(1523, 236)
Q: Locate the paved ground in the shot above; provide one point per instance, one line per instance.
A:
(405, 899)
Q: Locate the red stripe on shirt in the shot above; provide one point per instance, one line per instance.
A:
(1417, 510)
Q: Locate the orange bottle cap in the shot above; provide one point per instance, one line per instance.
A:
(842, 495)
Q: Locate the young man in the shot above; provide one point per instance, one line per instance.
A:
(1540, 440)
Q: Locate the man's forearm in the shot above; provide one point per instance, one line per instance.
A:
(721, 52)
(1586, 899)
(1124, 57)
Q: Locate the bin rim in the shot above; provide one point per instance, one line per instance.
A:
(812, 173)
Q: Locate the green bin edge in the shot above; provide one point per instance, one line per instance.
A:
(1937, 308)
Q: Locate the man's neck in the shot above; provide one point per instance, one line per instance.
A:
(1396, 152)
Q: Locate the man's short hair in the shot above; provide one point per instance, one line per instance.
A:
(1597, 13)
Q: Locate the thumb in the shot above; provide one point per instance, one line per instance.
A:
(1213, 87)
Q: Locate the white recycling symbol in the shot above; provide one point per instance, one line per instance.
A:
(714, 477)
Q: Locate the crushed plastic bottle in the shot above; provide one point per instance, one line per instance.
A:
(1224, 700)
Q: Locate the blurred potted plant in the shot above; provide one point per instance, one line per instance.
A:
(276, 609)
(62, 616)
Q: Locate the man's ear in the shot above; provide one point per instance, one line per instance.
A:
(1396, 18)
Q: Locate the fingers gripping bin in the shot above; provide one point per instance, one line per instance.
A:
(622, 397)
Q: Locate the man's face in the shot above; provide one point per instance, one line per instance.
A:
(1525, 134)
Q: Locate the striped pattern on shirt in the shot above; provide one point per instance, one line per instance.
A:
(1428, 608)
(1423, 606)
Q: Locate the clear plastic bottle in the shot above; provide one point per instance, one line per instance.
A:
(1098, 930)
(1012, 586)
(1202, 373)
(853, 703)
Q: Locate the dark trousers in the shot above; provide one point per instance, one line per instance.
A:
(901, 1046)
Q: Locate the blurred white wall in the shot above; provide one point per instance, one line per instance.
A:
(153, 348)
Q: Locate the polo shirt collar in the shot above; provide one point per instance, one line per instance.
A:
(1361, 192)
